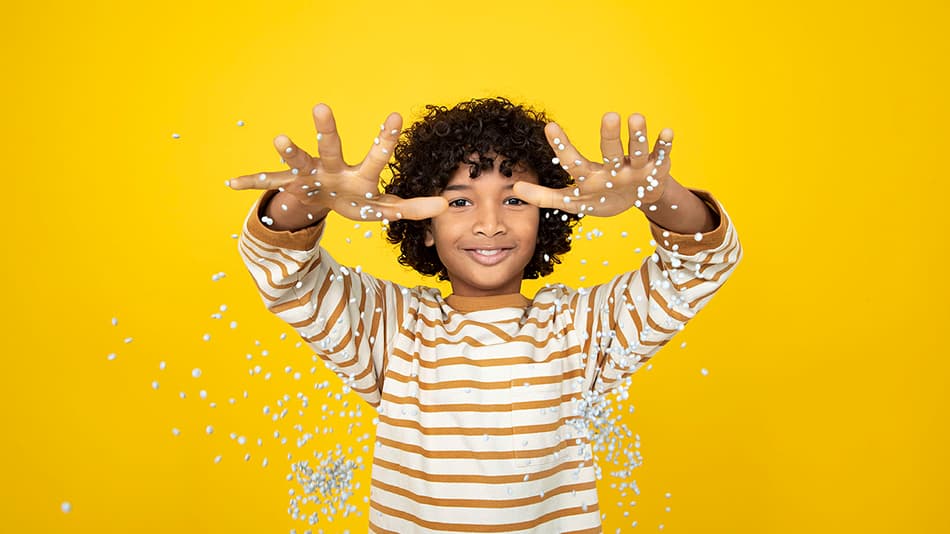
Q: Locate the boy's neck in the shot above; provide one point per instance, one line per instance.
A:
(469, 304)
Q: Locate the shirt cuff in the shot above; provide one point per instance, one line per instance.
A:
(303, 239)
(688, 244)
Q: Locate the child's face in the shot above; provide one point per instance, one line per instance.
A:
(483, 213)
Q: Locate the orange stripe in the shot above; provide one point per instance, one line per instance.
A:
(263, 246)
(473, 479)
(474, 431)
(474, 384)
(418, 315)
(467, 454)
(477, 527)
(494, 362)
(270, 281)
(480, 503)
(472, 342)
(466, 407)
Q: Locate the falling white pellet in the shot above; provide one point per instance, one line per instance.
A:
(196, 372)
(66, 507)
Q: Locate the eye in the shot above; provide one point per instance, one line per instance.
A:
(455, 203)
(517, 201)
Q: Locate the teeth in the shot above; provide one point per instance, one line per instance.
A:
(488, 252)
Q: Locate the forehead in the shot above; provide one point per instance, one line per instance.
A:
(461, 178)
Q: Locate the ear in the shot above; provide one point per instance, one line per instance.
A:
(429, 240)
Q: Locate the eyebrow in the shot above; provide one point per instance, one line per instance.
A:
(463, 187)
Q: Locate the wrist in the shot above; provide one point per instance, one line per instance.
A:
(285, 212)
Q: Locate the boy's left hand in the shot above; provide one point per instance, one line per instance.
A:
(621, 181)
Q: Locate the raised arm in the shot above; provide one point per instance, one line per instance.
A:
(347, 317)
(626, 320)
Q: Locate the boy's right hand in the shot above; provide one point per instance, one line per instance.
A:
(315, 185)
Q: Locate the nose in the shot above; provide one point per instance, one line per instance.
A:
(489, 221)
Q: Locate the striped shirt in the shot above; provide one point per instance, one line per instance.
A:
(475, 394)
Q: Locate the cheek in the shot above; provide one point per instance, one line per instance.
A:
(529, 225)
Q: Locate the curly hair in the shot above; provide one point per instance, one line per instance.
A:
(431, 150)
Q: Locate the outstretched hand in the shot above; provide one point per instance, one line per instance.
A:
(328, 183)
(637, 178)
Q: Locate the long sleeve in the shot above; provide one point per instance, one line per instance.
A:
(348, 318)
(626, 320)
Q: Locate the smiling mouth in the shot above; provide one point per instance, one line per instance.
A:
(488, 256)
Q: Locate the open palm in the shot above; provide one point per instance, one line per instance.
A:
(327, 182)
(637, 178)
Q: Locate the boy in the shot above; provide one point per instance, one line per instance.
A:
(475, 391)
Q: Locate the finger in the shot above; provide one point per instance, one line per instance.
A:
(610, 144)
(296, 158)
(418, 208)
(263, 180)
(664, 143)
(379, 154)
(638, 145)
(389, 208)
(565, 154)
(328, 139)
(566, 199)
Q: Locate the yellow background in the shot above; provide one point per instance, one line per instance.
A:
(821, 126)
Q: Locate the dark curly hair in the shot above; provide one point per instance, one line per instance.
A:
(432, 149)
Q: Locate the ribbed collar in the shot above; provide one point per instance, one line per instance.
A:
(470, 304)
